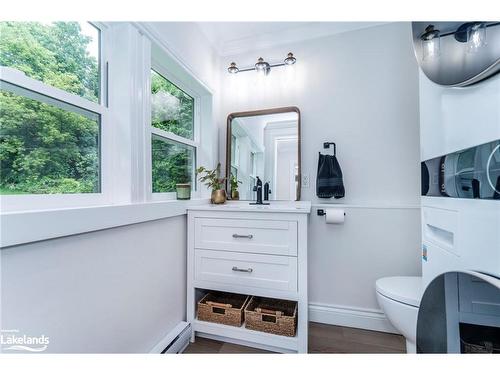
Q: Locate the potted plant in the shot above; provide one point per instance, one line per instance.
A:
(183, 189)
(212, 179)
(233, 181)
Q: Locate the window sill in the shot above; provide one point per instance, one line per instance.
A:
(30, 226)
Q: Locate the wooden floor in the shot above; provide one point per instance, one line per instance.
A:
(323, 338)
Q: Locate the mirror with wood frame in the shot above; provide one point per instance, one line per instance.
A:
(264, 144)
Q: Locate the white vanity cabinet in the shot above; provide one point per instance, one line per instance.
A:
(252, 250)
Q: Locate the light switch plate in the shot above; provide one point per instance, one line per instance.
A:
(305, 180)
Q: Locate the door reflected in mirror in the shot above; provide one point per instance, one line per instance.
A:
(265, 144)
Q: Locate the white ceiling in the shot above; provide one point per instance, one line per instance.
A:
(232, 38)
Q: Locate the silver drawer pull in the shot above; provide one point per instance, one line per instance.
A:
(249, 236)
(248, 270)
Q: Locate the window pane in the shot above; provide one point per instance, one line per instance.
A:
(46, 146)
(233, 149)
(172, 109)
(172, 163)
(61, 54)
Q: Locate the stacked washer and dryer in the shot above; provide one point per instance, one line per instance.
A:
(455, 306)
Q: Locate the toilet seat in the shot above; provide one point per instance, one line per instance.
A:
(402, 289)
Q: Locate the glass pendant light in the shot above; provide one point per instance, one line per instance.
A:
(476, 37)
(233, 69)
(262, 66)
(431, 47)
(290, 60)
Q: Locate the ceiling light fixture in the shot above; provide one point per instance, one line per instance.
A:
(262, 66)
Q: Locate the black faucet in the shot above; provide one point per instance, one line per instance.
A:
(258, 189)
(267, 191)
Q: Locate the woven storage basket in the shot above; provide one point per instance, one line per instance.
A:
(483, 347)
(271, 316)
(223, 308)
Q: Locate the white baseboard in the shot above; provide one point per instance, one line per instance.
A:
(347, 316)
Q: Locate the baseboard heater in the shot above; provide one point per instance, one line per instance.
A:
(176, 341)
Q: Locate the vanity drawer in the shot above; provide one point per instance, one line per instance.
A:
(242, 269)
(245, 235)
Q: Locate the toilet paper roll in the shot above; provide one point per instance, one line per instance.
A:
(335, 216)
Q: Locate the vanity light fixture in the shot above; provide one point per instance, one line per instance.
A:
(472, 33)
(262, 66)
(430, 43)
(467, 51)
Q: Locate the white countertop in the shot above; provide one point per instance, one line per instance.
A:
(245, 206)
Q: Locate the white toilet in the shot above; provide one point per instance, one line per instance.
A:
(400, 297)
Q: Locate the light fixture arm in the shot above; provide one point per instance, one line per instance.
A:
(247, 69)
(289, 60)
(277, 64)
(253, 67)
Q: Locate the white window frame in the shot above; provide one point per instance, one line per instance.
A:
(162, 67)
(29, 202)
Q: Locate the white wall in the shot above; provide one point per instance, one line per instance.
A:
(360, 90)
(114, 291)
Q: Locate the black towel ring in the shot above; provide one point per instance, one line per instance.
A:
(327, 145)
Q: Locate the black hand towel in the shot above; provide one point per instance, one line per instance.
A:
(329, 181)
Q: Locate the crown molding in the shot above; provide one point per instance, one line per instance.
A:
(306, 31)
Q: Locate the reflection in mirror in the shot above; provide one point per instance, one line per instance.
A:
(459, 313)
(265, 146)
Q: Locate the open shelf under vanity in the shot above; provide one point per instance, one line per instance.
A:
(244, 336)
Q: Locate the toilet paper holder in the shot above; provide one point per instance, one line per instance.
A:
(322, 212)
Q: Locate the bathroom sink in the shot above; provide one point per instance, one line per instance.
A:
(274, 206)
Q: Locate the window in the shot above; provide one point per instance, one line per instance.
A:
(173, 146)
(172, 163)
(60, 54)
(46, 146)
(253, 164)
(60, 144)
(233, 149)
(50, 112)
(171, 108)
(234, 172)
